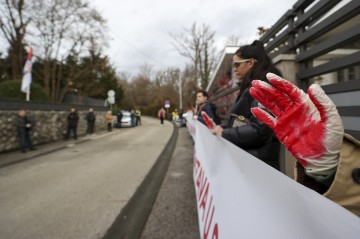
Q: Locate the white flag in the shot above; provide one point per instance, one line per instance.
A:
(26, 81)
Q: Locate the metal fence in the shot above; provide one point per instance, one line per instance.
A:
(323, 36)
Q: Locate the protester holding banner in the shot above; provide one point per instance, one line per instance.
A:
(328, 161)
(203, 105)
(251, 62)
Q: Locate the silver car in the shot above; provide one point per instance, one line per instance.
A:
(126, 119)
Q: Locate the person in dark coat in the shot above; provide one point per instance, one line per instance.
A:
(250, 62)
(90, 119)
(203, 105)
(72, 119)
(24, 126)
(119, 116)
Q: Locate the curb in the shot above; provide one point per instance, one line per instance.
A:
(133, 217)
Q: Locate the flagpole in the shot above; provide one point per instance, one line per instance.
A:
(28, 94)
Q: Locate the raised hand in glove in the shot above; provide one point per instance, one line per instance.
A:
(307, 124)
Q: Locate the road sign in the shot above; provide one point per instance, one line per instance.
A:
(111, 93)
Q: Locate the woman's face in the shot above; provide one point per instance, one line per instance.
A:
(241, 67)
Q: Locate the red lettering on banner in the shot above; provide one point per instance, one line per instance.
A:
(205, 206)
(215, 233)
(203, 184)
(208, 221)
(199, 177)
(196, 164)
(204, 200)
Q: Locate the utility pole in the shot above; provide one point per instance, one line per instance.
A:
(180, 93)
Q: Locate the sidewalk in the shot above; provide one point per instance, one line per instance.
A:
(174, 214)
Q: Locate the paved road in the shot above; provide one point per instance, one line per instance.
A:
(77, 192)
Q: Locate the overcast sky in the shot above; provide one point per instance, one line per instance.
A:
(140, 28)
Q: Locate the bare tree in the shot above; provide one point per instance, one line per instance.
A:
(197, 44)
(13, 24)
(232, 40)
(146, 71)
(63, 29)
(149, 90)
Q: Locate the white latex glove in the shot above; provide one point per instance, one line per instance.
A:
(309, 125)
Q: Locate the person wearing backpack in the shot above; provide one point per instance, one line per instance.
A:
(203, 105)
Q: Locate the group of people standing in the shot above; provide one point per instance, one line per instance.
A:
(269, 110)
(73, 119)
(24, 126)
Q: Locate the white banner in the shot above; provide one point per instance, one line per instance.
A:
(239, 196)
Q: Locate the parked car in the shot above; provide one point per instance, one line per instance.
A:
(126, 119)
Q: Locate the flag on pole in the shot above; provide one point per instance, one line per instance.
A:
(26, 81)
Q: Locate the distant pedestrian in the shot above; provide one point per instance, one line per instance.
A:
(73, 119)
(132, 117)
(161, 115)
(138, 117)
(109, 120)
(90, 118)
(175, 115)
(24, 126)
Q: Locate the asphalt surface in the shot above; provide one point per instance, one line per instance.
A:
(160, 207)
(174, 214)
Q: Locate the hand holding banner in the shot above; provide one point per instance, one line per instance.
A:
(208, 121)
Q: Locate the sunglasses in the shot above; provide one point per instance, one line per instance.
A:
(236, 64)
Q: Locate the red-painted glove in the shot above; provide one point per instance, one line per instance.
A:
(208, 121)
(307, 124)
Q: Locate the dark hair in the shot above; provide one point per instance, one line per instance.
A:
(205, 94)
(262, 66)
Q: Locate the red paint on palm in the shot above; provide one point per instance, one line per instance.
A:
(208, 121)
(298, 123)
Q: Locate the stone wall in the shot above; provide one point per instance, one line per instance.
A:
(48, 126)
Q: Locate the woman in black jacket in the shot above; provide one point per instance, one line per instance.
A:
(250, 62)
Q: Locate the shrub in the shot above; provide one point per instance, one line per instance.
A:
(10, 90)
